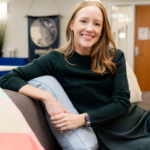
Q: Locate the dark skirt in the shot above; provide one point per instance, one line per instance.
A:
(132, 132)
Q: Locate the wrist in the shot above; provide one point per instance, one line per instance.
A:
(46, 97)
(81, 120)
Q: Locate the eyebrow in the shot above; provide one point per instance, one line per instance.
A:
(94, 19)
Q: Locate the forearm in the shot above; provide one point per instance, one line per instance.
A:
(119, 103)
(19, 77)
(109, 113)
(36, 93)
(53, 107)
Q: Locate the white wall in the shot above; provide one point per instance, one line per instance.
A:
(17, 27)
(106, 2)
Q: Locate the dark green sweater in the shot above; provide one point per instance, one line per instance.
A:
(104, 98)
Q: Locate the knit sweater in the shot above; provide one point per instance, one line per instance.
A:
(104, 98)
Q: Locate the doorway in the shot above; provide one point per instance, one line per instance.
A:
(142, 46)
(135, 38)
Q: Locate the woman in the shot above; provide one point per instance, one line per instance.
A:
(94, 78)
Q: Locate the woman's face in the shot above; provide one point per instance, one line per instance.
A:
(87, 26)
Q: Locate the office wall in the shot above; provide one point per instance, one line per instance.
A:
(17, 27)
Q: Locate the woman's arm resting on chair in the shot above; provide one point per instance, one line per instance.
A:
(53, 107)
(17, 79)
(55, 110)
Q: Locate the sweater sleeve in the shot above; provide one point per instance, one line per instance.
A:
(17, 78)
(120, 103)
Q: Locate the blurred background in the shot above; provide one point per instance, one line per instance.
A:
(129, 21)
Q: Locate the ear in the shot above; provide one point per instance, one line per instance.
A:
(71, 24)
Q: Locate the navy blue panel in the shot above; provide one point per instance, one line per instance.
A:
(13, 61)
(19, 61)
(5, 61)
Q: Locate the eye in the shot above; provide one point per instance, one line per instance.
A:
(83, 21)
(97, 24)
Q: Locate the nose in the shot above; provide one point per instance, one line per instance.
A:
(89, 27)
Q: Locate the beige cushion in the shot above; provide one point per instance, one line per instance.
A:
(136, 94)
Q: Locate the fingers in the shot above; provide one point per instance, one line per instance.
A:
(61, 127)
(64, 121)
(58, 128)
(57, 122)
(57, 117)
(66, 111)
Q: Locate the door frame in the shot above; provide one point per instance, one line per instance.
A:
(133, 5)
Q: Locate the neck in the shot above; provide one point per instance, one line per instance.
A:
(83, 50)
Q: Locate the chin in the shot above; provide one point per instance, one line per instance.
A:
(87, 45)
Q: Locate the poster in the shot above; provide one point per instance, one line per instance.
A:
(43, 34)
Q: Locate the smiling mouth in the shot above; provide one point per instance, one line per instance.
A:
(87, 36)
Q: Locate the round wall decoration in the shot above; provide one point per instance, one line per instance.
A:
(43, 32)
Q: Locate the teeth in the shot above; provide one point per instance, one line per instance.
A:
(87, 36)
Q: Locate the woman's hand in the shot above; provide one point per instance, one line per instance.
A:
(66, 121)
(53, 107)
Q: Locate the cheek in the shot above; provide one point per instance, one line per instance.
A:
(77, 32)
(76, 35)
(98, 32)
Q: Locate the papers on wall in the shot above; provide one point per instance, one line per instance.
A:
(143, 33)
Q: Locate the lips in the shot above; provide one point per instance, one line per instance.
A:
(88, 36)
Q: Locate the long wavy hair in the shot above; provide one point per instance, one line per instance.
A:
(101, 54)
